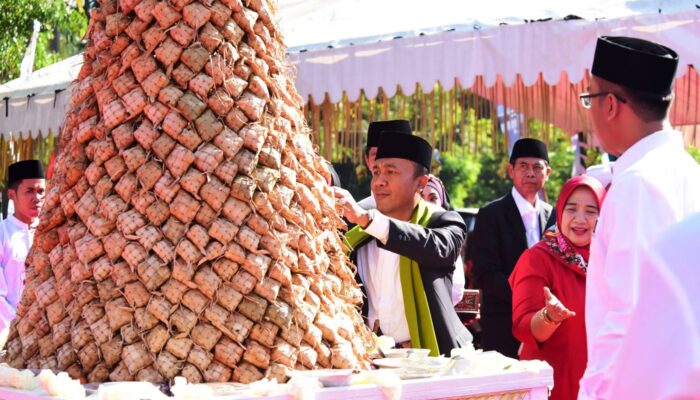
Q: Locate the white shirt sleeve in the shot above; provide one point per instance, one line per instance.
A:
(631, 220)
(379, 227)
(458, 281)
(7, 312)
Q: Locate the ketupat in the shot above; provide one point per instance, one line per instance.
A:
(188, 229)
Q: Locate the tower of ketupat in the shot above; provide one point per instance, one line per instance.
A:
(188, 229)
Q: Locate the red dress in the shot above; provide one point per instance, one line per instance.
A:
(556, 263)
(565, 350)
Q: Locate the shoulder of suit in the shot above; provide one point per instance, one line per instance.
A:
(499, 202)
(495, 206)
(440, 214)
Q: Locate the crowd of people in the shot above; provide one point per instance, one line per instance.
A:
(591, 285)
(579, 285)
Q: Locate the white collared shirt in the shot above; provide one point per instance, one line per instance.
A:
(16, 239)
(655, 185)
(379, 271)
(530, 217)
(459, 280)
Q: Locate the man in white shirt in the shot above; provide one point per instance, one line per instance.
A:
(25, 187)
(655, 185)
(504, 229)
(660, 356)
(406, 249)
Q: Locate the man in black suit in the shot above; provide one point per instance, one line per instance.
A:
(406, 250)
(504, 229)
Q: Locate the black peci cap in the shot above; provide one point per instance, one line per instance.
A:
(28, 169)
(529, 147)
(397, 144)
(638, 64)
(377, 127)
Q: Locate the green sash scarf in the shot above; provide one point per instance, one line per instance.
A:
(420, 322)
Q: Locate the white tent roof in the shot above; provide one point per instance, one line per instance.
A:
(506, 51)
(312, 24)
(317, 24)
(57, 76)
(361, 59)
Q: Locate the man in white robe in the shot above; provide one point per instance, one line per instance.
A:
(26, 188)
(660, 356)
(655, 185)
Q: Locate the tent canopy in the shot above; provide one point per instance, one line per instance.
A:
(316, 24)
(362, 59)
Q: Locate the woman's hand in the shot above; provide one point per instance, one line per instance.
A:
(548, 319)
(554, 309)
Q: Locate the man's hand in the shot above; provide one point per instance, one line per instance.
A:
(348, 207)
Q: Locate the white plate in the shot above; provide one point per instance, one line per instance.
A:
(409, 373)
(327, 377)
(405, 353)
(426, 363)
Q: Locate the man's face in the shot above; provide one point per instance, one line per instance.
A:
(370, 157)
(529, 175)
(601, 127)
(28, 199)
(395, 185)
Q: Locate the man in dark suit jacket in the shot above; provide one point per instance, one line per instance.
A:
(504, 229)
(406, 250)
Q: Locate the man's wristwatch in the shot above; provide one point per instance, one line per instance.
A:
(370, 217)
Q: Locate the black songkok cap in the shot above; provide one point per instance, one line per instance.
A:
(377, 127)
(397, 144)
(637, 64)
(28, 169)
(528, 147)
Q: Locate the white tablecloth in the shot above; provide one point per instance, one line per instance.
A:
(508, 385)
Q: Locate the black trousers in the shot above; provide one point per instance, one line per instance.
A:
(497, 334)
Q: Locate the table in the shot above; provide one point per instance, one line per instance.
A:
(521, 385)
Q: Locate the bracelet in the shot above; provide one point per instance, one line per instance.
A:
(547, 319)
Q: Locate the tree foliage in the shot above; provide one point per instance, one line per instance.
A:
(63, 25)
(694, 152)
(474, 179)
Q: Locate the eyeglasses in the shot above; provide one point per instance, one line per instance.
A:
(586, 98)
(539, 168)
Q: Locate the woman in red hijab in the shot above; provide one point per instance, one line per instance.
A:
(549, 288)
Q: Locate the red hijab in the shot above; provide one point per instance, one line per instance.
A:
(555, 243)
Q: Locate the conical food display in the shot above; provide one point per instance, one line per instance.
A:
(188, 229)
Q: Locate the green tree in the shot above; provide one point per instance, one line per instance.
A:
(63, 25)
(474, 179)
(561, 160)
(459, 173)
